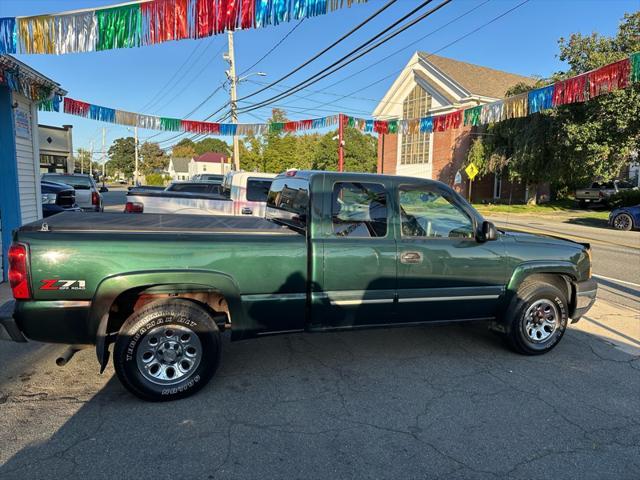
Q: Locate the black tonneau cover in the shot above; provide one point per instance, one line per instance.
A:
(154, 222)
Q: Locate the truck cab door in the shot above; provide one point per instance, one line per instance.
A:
(444, 273)
(357, 284)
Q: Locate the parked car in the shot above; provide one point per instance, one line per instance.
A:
(335, 251)
(208, 177)
(88, 196)
(625, 218)
(57, 198)
(599, 193)
(243, 194)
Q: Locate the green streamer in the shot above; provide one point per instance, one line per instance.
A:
(119, 27)
(276, 127)
(170, 124)
(352, 122)
(635, 67)
(472, 116)
(393, 126)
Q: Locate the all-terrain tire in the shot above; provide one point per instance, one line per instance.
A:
(169, 349)
(537, 319)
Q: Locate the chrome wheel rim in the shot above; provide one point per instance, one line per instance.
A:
(541, 320)
(622, 221)
(168, 354)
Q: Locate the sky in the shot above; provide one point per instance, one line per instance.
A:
(173, 78)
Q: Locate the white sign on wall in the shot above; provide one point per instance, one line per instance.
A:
(23, 122)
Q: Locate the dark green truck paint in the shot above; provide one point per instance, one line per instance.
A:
(298, 277)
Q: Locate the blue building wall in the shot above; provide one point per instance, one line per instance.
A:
(9, 194)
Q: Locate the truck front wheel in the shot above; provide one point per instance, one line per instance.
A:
(538, 318)
(168, 349)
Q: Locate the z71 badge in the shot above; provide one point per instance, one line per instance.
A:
(62, 284)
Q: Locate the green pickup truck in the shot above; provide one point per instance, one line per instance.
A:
(335, 251)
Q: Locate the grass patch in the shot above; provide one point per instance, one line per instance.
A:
(565, 207)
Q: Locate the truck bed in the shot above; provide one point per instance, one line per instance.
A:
(155, 223)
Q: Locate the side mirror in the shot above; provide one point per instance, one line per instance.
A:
(487, 232)
(103, 189)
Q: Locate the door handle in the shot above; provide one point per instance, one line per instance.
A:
(411, 257)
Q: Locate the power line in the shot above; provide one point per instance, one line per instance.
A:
(334, 67)
(395, 73)
(325, 50)
(272, 48)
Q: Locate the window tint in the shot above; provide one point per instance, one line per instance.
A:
(258, 189)
(189, 188)
(359, 210)
(78, 182)
(288, 200)
(426, 213)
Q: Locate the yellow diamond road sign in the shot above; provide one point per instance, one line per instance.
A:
(471, 171)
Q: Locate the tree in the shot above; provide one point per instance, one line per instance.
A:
(212, 145)
(153, 158)
(122, 156)
(185, 148)
(81, 161)
(572, 144)
(360, 152)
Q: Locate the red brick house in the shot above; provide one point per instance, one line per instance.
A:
(434, 85)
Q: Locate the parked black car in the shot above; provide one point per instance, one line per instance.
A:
(57, 197)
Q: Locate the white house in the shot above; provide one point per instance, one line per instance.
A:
(56, 149)
(21, 87)
(178, 169)
(210, 162)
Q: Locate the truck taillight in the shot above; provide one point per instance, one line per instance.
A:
(133, 207)
(95, 198)
(18, 272)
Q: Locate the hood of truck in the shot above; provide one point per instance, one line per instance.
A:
(551, 240)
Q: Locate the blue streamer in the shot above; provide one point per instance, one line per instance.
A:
(368, 126)
(228, 128)
(426, 125)
(263, 12)
(102, 114)
(308, 8)
(540, 99)
(8, 35)
(319, 122)
(280, 11)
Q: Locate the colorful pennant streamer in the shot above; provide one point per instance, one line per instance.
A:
(149, 22)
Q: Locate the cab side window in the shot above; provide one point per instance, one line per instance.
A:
(430, 214)
(359, 210)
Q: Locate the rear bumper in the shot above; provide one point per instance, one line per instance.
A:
(8, 328)
(64, 321)
(586, 293)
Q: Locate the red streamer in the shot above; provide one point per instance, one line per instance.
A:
(248, 14)
(609, 78)
(205, 18)
(381, 127)
(76, 107)
(200, 127)
(166, 20)
(305, 124)
(290, 127)
(571, 90)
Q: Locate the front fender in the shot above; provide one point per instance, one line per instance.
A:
(111, 287)
(526, 269)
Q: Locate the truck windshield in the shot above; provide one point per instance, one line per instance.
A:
(288, 201)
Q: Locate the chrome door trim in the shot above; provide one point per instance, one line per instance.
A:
(446, 299)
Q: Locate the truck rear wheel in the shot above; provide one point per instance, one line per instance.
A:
(538, 318)
(168, 349)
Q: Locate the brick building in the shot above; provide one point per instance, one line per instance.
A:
(434, 85)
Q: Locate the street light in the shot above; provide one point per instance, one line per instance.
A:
(135, 136)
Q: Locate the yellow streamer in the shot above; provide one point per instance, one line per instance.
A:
(37, 34)
(516, 106)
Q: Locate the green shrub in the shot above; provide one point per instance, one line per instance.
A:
(625, 198)
(154, 179)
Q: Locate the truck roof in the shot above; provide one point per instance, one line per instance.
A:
(308, 174)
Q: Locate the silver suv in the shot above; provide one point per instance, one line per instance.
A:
(87, 194)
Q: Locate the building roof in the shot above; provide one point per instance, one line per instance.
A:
(180, 165)
(212, 157)
(7, 62)
(476, 79)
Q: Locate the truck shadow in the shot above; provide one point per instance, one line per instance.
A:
(589, 222)
(302, 402)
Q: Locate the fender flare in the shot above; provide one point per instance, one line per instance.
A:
(112, 287)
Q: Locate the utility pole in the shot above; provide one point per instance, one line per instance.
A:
(231, 74)
(340, 143)
(104, 155)
(135, 174)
